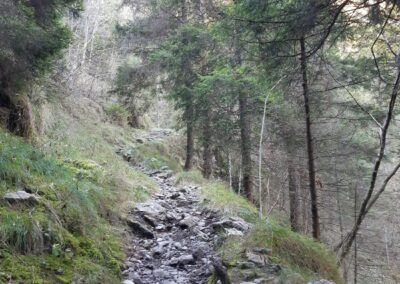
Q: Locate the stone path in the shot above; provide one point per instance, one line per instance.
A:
(173, 236)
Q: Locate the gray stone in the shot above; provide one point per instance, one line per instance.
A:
(20, 197)
(199, 253)
(265, 251)
(294, 278)
(186, 259)
(259, 260)
(128, 282)
(240, 224)
(188, 222)
(232, 223)
(140, 229)
(160, 273)
(152, 209)
(246, 265)
(322, 281)
(233, 232)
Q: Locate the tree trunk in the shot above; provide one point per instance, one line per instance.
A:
(189, 111)
(293, 197)
(245, 146)
(189, 137)
(207, 149)
(244, 124)
(310, 147)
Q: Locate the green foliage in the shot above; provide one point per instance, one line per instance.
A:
(136, 87)
(32, 34)
(219, 196)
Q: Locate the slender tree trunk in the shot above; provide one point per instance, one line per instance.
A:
(310, 147)
(355, 239)
(207, 149)
(189, 137)
(189, 112)
(240, 179)
(338, 203)
(293, 197)
(245, 134)
(245, 146)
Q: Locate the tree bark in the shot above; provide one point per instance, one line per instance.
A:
(245, 146)
(189, 137)
(207, 149)
(310, 148)
(189, 111)
(245, 134)
(293, 197)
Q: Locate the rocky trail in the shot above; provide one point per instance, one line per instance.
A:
(173, 236)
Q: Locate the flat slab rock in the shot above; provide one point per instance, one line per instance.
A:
(20, 196)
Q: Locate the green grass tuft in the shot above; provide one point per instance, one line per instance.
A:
(219, 196)
(154, 155)
(190, 177)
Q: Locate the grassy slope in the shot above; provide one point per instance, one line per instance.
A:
(74, 233)
(302, 258)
